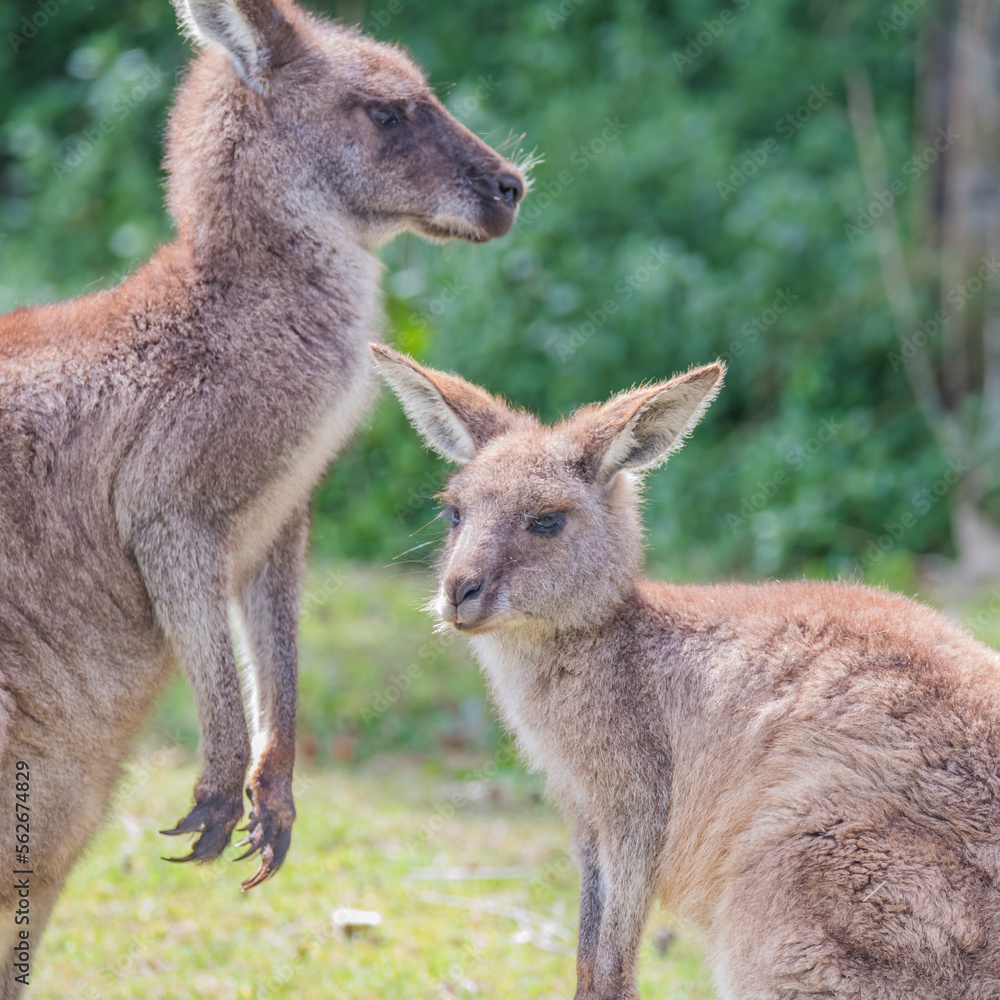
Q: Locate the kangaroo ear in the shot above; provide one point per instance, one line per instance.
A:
(454, 417)
(640, 428)
(253, 32)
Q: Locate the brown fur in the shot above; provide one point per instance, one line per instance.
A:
(160, 440)
(808, 772)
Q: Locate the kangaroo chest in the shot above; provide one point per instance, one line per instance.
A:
(562, 725)
(328, 428)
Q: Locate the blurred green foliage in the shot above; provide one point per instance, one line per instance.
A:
(698, 173)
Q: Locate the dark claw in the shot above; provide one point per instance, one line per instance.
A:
(261, 875)
(194, 822)
(272, 840)
(267, 867)
(214, 819)
(190, 857)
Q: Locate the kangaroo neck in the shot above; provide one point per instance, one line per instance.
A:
(546, 651)
(324, 290)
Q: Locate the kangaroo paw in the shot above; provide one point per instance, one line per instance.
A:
(268, 830)
(214, 819)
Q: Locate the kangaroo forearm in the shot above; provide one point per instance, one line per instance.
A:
(268, 619)
(274, 683)
(591, 903)
(225, 741)
(628, 861)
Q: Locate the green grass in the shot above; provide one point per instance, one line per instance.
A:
(401, 767)
(130, 925)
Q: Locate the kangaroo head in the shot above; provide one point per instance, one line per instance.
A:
(544, 531)
(316, 127)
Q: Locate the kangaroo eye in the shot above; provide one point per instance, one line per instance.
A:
(454, 515)
(385, 117)
(547, 525)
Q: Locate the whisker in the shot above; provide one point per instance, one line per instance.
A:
(527, 161)
(401, 573)
(511, 140)
(423, 527)
(419, 545)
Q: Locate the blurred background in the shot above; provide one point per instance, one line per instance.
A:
(809, 190)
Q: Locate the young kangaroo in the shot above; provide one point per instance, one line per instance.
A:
(160, 440)
(808, 772)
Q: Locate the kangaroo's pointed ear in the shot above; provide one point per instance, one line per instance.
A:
(454, 417)
(640, 428)
(253, 32)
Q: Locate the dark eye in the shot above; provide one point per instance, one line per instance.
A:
(547, 525)
(453, 515)
(384, 116)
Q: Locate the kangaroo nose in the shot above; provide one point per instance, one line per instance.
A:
(463, 590)
(508, 188)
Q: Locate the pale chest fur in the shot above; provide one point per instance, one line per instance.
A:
(331, 427)
(511, 683)
(336, 401)
(529, 707)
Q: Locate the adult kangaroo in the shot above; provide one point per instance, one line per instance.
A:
(160, 439)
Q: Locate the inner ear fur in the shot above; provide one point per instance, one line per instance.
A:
(454, 417)
(642, 427)
(255, 33)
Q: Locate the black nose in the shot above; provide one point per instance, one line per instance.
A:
(463, 590)
(508, 188)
